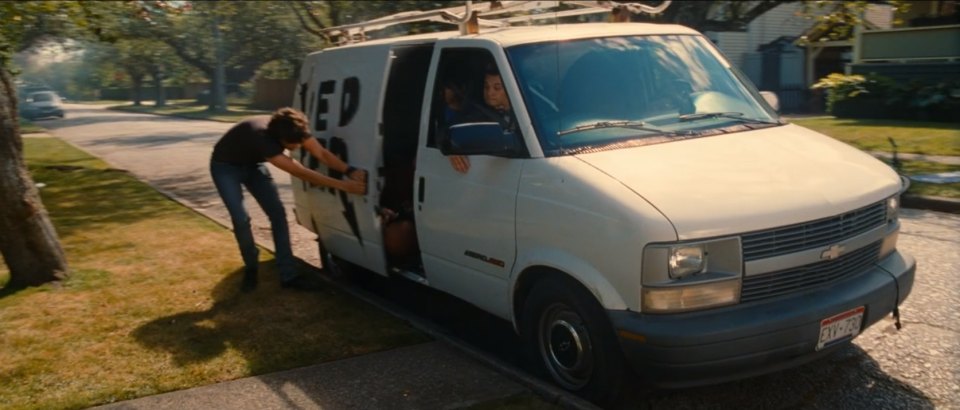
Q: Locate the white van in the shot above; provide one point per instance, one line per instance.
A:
(650, 212)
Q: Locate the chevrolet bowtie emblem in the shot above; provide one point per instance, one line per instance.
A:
(832, 252)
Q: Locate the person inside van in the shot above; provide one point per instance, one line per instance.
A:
(496, 108)
(455, 112)
(454, 100)
(495, 98)
(238, 161)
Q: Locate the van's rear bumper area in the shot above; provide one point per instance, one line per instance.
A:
(717, 345)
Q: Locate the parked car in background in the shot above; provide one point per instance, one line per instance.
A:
(42, 104)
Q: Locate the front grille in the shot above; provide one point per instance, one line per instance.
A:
(823, 232)
(805, 277)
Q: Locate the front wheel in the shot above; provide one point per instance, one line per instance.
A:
(569, 338)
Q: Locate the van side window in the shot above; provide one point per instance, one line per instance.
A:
(468, 88)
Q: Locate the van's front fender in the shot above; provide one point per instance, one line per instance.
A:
(542, 261)
(574, 219)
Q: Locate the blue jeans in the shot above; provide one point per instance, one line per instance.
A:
(229, 179)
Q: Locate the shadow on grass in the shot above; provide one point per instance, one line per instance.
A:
(81, 198)
(9, 290)
(198, 336)
(275, 329)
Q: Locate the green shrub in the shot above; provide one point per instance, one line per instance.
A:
(875, 96)
(841, 87)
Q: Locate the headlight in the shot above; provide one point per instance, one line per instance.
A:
(686, 260)
(693, 275)
(893, 207)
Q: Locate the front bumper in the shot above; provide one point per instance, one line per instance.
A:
(42, 112)
(717, 345)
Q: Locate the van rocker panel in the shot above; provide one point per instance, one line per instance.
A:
(718, 345)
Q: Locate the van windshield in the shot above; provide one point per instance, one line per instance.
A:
(613, 92)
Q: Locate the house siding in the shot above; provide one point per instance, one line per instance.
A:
(786, 21)
(783, 20)
(733, 44)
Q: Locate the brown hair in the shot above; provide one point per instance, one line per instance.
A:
(289, 126)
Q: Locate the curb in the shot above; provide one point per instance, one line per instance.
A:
(931, 203)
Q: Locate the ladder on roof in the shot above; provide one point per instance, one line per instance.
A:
(485, 14)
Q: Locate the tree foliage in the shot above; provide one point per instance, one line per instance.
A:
(835, 20)
(25, 23)
(315, 16)
(245, 35)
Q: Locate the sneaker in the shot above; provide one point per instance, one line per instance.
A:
(303, 282)
(249, 282)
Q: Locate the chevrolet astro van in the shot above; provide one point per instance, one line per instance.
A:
(650, 214)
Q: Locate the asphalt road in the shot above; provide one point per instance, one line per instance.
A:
(917, 367)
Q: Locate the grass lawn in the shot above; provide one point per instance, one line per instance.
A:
(27, 126)
(190, 109)
(930, 138)
(153, 303)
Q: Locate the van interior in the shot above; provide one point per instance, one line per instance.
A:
(400, 129)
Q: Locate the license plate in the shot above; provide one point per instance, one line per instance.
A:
(840, 327)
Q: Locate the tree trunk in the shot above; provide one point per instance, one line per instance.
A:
(28, 242)
(161, 100)
(218, 96)
(137, 90)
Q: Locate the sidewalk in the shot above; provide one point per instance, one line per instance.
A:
(943, 159)
(427, 376)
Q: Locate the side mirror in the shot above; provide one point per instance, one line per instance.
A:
(481, 138)
(771, 98)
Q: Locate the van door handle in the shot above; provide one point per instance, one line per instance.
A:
(420, 190)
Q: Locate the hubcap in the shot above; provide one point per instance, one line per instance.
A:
(565, 346)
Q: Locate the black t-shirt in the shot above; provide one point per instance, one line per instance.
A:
(247, 143)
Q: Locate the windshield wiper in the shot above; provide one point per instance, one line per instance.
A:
(633, 125)
(724, 114)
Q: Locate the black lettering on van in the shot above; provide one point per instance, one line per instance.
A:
(323, 105)
(338, 147)
(349, 100)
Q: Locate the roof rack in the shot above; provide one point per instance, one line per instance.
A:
(471, 17)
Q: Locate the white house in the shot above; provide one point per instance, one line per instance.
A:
(768, 53)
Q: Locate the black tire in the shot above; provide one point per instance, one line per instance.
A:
(568, 338)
